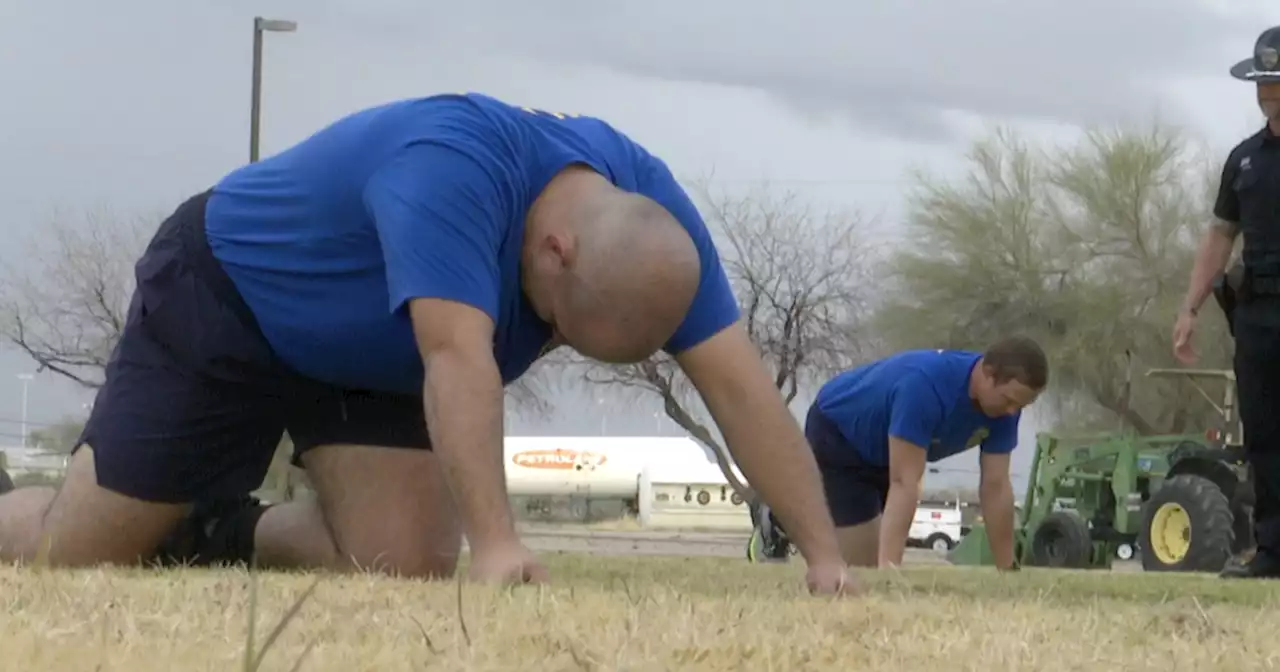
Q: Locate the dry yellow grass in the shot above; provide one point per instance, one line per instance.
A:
(620, 613)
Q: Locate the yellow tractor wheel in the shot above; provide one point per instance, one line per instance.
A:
(1170, 535)
(1187, 527)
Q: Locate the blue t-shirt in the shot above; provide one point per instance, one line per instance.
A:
(329, 240)
(919, 396)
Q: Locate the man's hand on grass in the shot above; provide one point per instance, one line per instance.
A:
(834, 580)
(511, 563)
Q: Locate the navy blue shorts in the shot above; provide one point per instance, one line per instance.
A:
(856, 491)
(195, 401)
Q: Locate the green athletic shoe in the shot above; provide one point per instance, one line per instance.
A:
(768, 542)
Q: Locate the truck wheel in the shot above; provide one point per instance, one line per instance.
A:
(1187, 527)
(939, 542)
(1062, 540)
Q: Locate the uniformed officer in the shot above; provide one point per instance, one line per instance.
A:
(1248, 204)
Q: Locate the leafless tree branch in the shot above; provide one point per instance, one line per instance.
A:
(65, 306)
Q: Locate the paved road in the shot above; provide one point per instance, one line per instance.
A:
(727, 545)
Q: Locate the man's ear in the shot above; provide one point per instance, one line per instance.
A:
(986, 377)
(563, 247)
(549, 253)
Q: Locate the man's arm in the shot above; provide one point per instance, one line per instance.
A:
(713, 349)
(914, 416)
(995, 492)
(763, 438)
(995, 495)
(1216, 244)
(1211, 260)
(462, 392)
(906, 472)
(440, 224)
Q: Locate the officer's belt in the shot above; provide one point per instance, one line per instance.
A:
(1268, 285)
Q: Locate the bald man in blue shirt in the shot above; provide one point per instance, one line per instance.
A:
(371, 290)
(874, 428)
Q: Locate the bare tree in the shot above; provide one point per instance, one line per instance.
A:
(65, 305)
(1087, 248)
(803, 280)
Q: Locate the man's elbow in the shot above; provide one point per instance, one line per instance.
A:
(448, 370)
(906, 481)
(1220, 238)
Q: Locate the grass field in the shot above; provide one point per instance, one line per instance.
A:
(624, 613)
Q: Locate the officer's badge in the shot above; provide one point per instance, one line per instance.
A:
(1268, 58)
(978, 437)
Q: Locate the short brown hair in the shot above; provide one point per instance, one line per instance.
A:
(1017, 358)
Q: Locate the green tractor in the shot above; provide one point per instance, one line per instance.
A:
(1182, 502)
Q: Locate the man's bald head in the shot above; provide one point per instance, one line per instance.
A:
(614, 272)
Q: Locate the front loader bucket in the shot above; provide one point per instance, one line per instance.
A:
(973, 549)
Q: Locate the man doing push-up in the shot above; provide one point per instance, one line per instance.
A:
(371, 290)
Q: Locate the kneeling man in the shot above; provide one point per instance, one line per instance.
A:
(874, 428)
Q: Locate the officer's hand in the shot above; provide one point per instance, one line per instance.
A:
(1183, 329)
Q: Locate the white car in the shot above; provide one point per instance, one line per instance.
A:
(936, 527)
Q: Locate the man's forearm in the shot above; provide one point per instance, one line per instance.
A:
(996, 500)
(895, 523)
(1211, 260)
(780, 466)
(464, 401)
(764, 439)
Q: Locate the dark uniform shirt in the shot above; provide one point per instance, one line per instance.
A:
(1249, 197)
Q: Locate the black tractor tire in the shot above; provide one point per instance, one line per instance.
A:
(6, 483)
(1187, 526)
(1062, 540)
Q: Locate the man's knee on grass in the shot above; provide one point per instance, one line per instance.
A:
(22, 512)
(298, 534)
(389, 543)
(82, 523)
(388, 510)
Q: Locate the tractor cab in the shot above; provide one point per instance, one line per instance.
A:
(1228, 433)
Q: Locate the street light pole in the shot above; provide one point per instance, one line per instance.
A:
(260, 26)
(26, 379)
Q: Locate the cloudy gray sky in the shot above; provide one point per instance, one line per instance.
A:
(135, 104)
